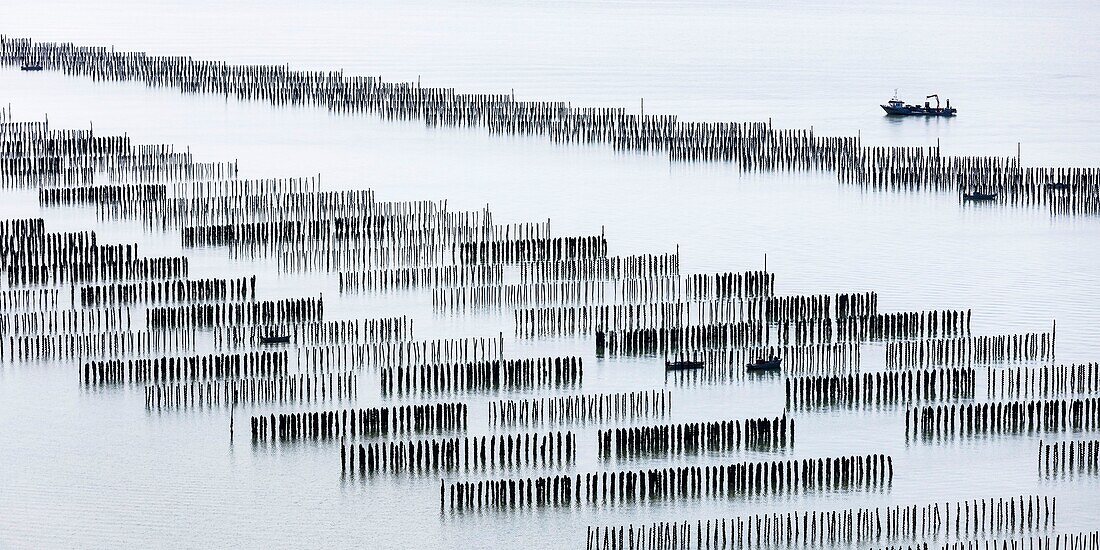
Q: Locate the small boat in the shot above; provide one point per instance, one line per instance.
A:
(30, 67)
(1057, 186)
(275, 339)
(765, 364)
(978, 196)
(897, 107)
(683, 365)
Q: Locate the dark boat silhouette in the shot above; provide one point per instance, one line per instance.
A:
(764, 364)
(898, 107)
(30, 67)
(275, 339)
(683, 365)
(1057, 186)
(978, 196)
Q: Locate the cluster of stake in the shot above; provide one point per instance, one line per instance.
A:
(813, 528)
(414, 277)
(359, 422)
(267, 312)
(1009, 417)
(753, 146)
(876, 388)
(673, 484)
(661, 340)
(1074, 541)
(200, 290)
(1033, 346)
(459, 453)
(697, 437)
(642, 266)
(580, 408)
(302, 388)
(568, 285)
(498, 374)
(254, 364)
(315, 333)
(416, 352)
(1069, 457)
(1044, 381)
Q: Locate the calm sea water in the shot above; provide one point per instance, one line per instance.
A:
(84, 468)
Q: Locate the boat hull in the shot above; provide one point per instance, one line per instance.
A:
(917, 110)
(764, 365)
(979, 197)
(684, 365)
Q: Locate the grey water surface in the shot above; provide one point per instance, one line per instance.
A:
(92, 468)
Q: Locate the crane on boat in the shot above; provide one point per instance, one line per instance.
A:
(898, 107)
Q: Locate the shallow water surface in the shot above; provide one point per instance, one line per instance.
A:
(87, 467)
